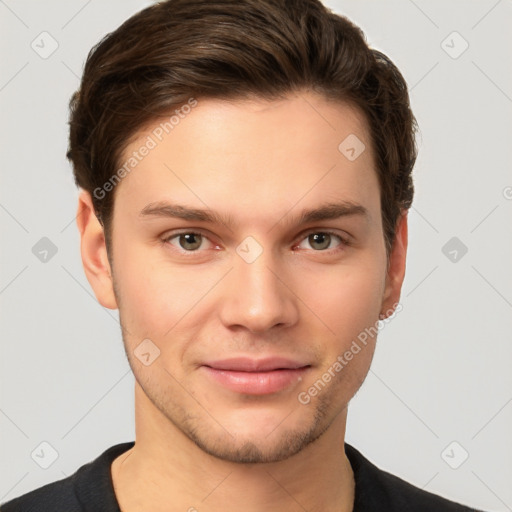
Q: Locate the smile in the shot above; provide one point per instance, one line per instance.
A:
(256, 377)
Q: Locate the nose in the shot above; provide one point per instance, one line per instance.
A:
(258, 296)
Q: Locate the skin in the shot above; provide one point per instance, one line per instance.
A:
(199, 444)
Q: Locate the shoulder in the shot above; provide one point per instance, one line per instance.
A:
(377, 489)
(57, 496)
(88, 487)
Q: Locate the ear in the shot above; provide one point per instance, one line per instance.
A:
(396, 267)
(94, 252)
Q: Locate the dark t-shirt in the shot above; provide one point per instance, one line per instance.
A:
(90, 489)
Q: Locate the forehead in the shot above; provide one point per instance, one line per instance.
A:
(260, 156)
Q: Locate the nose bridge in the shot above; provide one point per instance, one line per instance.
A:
(256, 298)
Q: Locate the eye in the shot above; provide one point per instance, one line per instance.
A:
(322, 240)
(192, 242)
(188, 241)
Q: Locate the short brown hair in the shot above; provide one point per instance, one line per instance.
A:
(177, 49)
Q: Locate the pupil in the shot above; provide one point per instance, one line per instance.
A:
(317, 238)
(189, 240)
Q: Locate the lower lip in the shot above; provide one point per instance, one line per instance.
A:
(256, 383)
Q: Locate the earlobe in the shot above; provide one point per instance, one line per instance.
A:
(94, 252)
(396, 267)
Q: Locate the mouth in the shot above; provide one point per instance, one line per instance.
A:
(256, 376)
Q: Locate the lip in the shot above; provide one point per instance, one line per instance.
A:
(249, 364)
(256, 376)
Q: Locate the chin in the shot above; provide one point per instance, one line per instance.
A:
(256, 451)
(253, 444)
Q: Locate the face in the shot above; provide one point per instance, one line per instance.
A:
(247, 257)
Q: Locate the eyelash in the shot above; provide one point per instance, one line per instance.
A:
(344, 242)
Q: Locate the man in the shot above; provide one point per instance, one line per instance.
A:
(245, 169)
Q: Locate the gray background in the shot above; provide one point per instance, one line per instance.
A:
(442, 369)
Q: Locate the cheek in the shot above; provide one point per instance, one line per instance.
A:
(145, 290)
(349, 304)
(155, 295)
(346, 299)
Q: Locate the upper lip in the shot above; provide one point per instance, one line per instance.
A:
(248, 364)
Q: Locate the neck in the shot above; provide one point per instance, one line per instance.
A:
(165, 470)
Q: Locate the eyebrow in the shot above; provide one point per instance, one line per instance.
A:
(328, 211)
